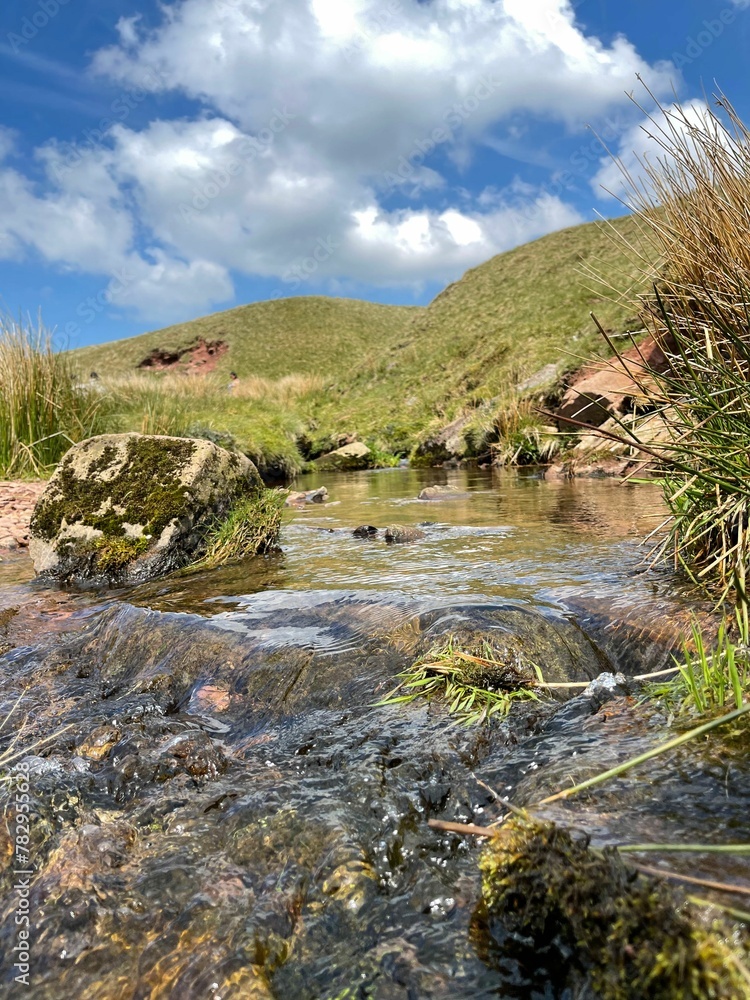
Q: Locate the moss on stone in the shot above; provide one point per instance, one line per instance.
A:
(595, 920)
(148, 486)
(114, 554)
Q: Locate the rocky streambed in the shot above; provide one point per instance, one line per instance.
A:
(222, 808)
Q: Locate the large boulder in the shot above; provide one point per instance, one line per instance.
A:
(124, 508)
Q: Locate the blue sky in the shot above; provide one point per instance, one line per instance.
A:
(158, 162)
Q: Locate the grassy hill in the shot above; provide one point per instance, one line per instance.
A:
(395, 375)
(499, 324)
(308, 336)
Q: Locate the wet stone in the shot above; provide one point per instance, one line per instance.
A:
(396, 534)
(99, 743)
(365, 531)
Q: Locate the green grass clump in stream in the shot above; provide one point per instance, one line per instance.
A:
(710, 678)
(474, 684)
(596, 921)
(251, 528)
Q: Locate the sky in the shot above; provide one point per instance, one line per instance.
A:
(162, 161)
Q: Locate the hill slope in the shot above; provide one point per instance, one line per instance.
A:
(309, 336)
(502, 322)
(395, 375)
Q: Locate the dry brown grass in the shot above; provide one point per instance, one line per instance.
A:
(693, 200)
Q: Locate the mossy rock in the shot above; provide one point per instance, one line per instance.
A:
(351, 458)
(587, 921)
(124, 508)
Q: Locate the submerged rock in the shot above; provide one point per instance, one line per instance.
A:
(365, 531)
(299, 499)
(440, 493)
(396, 533)
(519, 639)
(350, 458)
(124, 508)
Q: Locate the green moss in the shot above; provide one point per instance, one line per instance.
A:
(147, 488)
(114, 554)
(628, 936)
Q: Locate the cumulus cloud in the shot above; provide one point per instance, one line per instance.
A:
(317, 117)
(643, 144)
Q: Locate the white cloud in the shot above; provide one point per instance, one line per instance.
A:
(316, 113)
(643, 144)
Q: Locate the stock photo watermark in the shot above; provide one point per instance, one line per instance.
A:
(95, 138)
(34, 22)
(19, 817)
(710, 30)
(376, 23)
(220, 177)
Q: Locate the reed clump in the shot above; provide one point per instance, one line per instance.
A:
(693, 202)
(43, 407)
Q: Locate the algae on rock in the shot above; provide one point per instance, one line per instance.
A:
(591, 920)
(123, 508)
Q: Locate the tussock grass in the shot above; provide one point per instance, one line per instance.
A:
(264, 418)
(694, 202)
(42, 409)
(252, 528)
(522, 439)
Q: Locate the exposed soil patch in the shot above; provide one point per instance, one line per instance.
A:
(17, 502)
(197, 359)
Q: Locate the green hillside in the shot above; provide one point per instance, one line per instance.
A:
(309, 336)
(391, 375)
(501, 323)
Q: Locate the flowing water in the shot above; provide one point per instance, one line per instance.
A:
(222, 810)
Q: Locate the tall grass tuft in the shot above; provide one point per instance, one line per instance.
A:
(252, 528)
(693, 201)
(42, 410)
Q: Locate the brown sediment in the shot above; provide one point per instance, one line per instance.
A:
(17, 502)
(199, 358)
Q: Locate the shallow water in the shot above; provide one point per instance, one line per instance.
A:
(232, 815)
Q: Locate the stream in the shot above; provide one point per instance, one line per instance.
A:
(220, 808)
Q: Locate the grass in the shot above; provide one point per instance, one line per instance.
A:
(502, 322)
(309, 335)
(42, 409)
(252, 528)
(473, 687)
(692, 202)
(263, 418)
(313, 371)
(709, 679)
